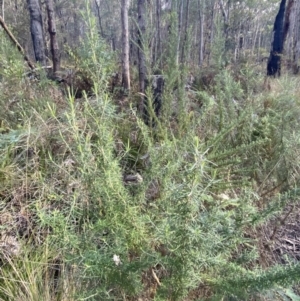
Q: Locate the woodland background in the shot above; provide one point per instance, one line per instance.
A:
(149, 150)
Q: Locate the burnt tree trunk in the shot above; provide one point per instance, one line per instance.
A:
(125, 45)
(36, 29)
(280, 31)
(53, 41)
(153, 100)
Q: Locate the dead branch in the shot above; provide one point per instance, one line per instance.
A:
(16, 43)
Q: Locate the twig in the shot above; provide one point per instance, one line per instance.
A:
(282, 222)
(155, 277)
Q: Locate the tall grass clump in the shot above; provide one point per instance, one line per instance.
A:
(36, 274)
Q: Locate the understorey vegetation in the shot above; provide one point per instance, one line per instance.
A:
(201, 202)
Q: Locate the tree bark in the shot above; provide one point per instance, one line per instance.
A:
(125, 45)
(296, 46)
(53, 41)
(294, 37)
(2, 7)
(212, 30)
(201, 38)
(224, 14)
(184, 52)
(180, 19)
(141, 50)
(280, 30)
(36, 29)
(158, 33)
(97, 2)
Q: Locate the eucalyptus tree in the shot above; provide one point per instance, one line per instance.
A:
(293, 37)
(141, 48)
(158, 38)
(53, 41)
(37, 32)
(125, 45)
(98, 8)
(201, 7)
(184, 50)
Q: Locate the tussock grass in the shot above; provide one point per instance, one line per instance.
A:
(36, 274)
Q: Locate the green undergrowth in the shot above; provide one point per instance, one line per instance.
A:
(99, 206)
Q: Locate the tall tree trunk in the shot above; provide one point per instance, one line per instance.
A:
(296, 46)
(212, 30)
(97, 3)
(158, 33)
(77, 24)
(111, 30)
(294, 37)
(274, 62)
(2, 8)
(62, 24)
(184, 51)
(36, 29)
(141, 50)
(256, 31)
(53, 41)
(224, 14)
(180, 17)
(125, 45)
(201, 38)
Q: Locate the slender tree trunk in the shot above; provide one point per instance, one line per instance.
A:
(294, 37)
(53, 41)
(151, 41)
(212, 29)
(141, 49)
(158, 32)
(184, 52)
(255, 37)
(201, 42)
(225, 15)
(296, 46)
(2, 7)
(97, 2)
(141, 54)
(77, 24)
(62, 24)
(180, 19)
(111, 27)
(36, 29)
(125, 45)
(259, 44)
